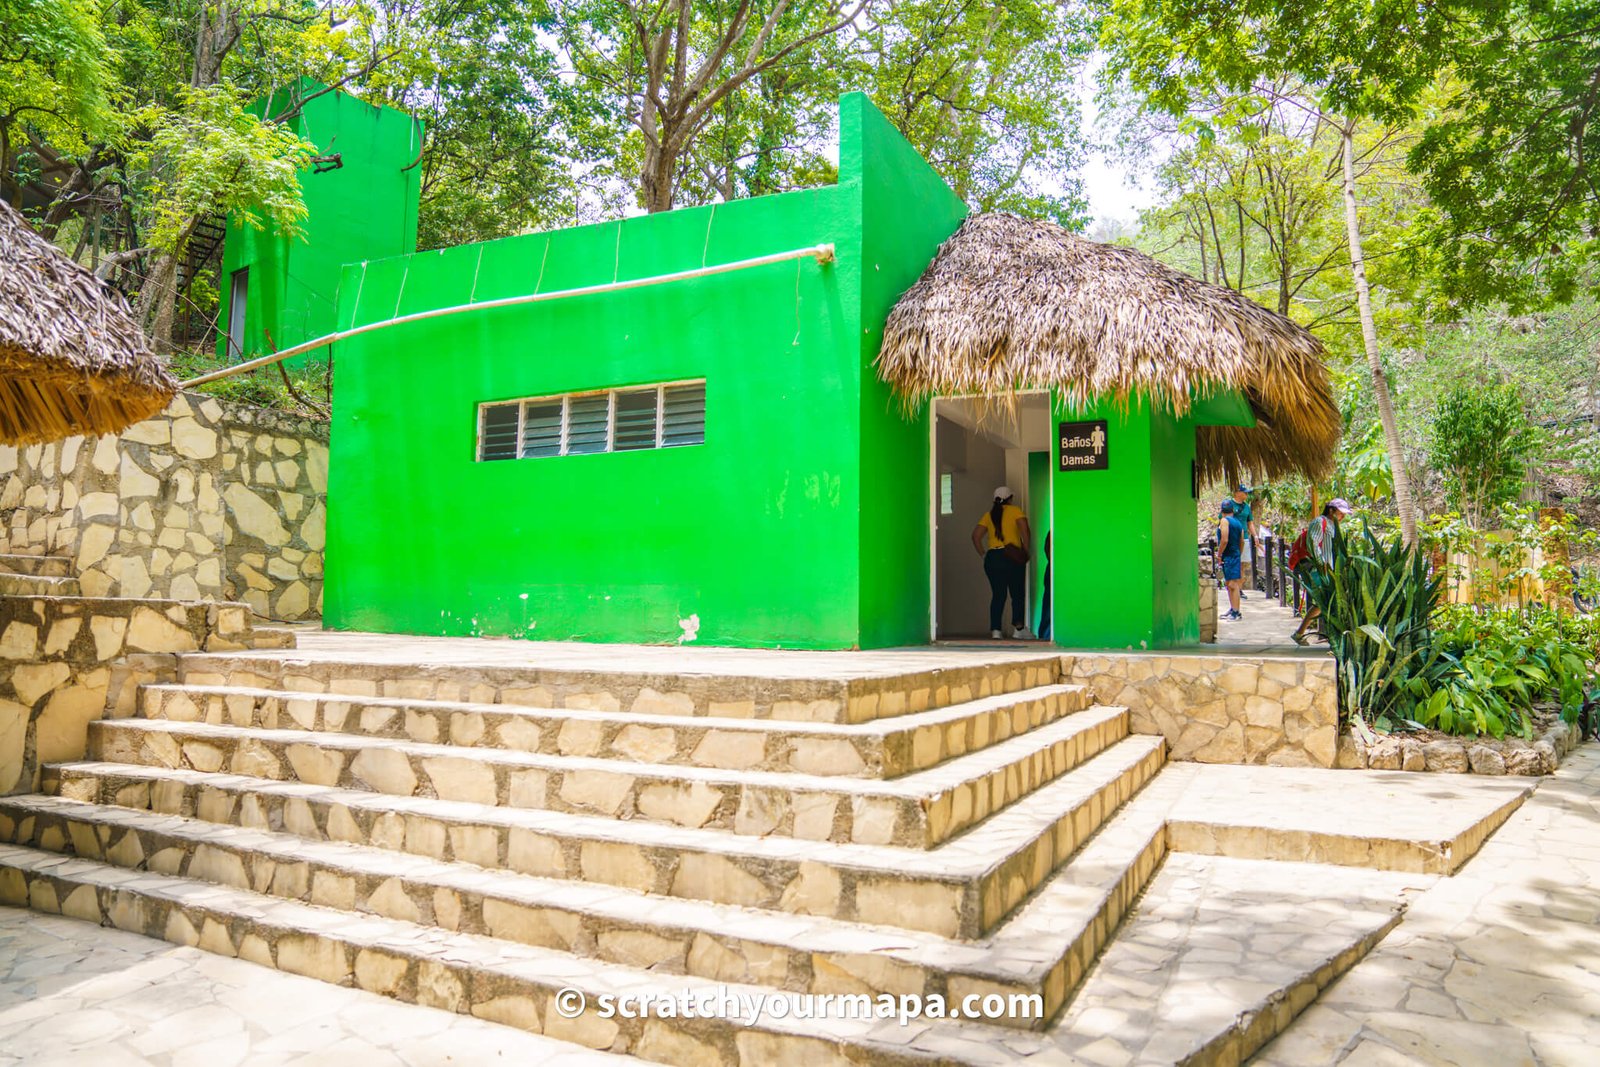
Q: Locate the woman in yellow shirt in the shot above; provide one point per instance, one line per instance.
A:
(1004, 541)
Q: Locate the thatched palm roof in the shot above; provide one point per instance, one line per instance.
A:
(72, 360)
(1012, 303)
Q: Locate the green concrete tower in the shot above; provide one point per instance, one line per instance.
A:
(361, 203)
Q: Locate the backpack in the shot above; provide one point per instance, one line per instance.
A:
(1299, 552)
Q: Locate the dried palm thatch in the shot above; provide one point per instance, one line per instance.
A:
(1011, 304)
(72, 360)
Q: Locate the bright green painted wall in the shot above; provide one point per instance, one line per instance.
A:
(1104, 588)
(758, 533)
(907, 210)
(1175, 565)
(1126, 572)
(364, 209)
(1040, 518)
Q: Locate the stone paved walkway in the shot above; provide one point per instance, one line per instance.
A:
(1495, 967)
(73, 993)
(1266, 626)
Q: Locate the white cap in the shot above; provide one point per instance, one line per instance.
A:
(1001, 493)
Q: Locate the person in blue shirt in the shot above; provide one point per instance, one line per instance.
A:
(1245, 513)
(1231, 533)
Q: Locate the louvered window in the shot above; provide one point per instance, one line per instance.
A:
(588, 423)
(636, 420)
(683, 414)
(541, 428)
(497, 438)
(617, 420)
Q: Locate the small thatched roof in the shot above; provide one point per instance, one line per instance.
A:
(1012, 303)
(72, 360)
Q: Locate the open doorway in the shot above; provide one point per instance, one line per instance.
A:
(977, 447)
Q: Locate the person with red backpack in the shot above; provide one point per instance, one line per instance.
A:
(1313, 551)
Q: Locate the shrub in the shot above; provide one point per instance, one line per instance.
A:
(1480, 438)
(1504, 662)
(1377, 605)
(1403, 659)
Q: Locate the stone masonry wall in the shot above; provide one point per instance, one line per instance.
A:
(206, 501)
(1282, 711)
(66, 661)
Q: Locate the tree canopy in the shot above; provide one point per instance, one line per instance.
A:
(1413, 182)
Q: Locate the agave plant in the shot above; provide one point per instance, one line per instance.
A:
(1377, 603)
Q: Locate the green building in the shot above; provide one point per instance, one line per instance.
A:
(361, 203)
(678, 427)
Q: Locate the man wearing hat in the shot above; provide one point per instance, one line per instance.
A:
(1230, 542)
(1245, 514)
(1317, 554)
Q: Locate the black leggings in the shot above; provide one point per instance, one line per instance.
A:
(1005, 575)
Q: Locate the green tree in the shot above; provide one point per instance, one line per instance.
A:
(56, 76)
(986, 91)
(1179, 50)
(1247, 203)
(208, 157)
(1508, 163)
(1480, 442)
(665, 68)
(501, 128)
(1512, 165)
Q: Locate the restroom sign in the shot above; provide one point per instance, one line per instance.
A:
(1082, 445)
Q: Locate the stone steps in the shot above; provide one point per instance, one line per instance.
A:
(265, 637)
(38, 585)
(495, 979)
(881, 748)
(1043, 950)
(43, 566)
(918, 810)
(960, 889)
(1221, 954)
(792, 698)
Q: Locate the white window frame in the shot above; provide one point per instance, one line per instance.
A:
(566, 399)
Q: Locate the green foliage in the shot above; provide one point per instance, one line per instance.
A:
(1506, 153)
(505, 134)
(1377, 603)
(1529, 551)
(303, 390)
(1248, 204)
(57, 70)
(1363, 472)
(1404, 659)
(1373, 57)
(211, 155)
(1480, 441)
(759, 71)
(986, 91)
(1505, 661)
(1510, 164)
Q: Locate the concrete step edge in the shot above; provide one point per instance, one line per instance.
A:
(987, 871)
(43, 566)
(524, 908)
(919, 809)
(504, 981)
(858, 698)
(883, 748)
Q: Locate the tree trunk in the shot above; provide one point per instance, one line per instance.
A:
(158, 296)
(658, 177)
(5, 164)
(1369, 339)
(215, 35)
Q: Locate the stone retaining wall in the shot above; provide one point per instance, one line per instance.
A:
(66, 661)
(1462, 755)
(206, 501)
(1282, 711)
